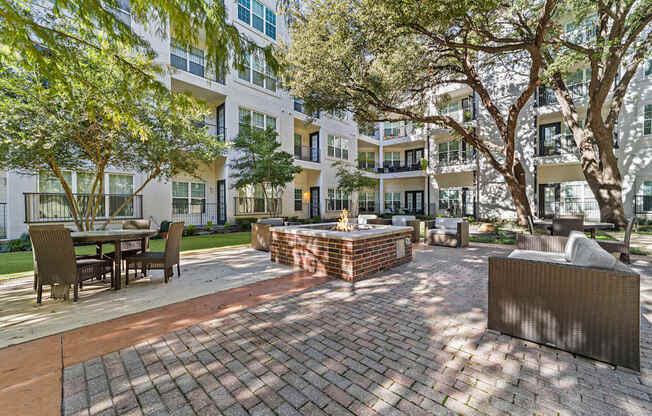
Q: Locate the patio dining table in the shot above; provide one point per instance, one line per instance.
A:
(590, 226)
(116, 237)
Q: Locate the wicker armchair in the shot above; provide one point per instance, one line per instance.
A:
(621, 247)
(563, 225)
(584, 310)
(160, 260)
(55, 260)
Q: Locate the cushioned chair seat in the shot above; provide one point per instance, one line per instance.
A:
(538, 256)
(443, 231)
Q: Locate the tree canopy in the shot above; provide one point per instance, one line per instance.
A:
(101, 117)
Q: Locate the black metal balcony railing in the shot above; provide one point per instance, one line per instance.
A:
(3, 220)
(256, 206)
(558, 144)
(546, 95)
(369, 165)
(397, 167)
(54, 207)
(200, 213)
(301, 107)
(642, 204)
(455, 158)
(338, 204)
(371, 132)
(307, 153)
(396, 207)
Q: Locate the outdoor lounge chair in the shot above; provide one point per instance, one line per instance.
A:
(567, 293)
(450, 232)
(563, 225)
(160, 260)
(622, 247)
(55, 259)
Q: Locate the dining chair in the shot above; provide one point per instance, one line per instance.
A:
(132, 247)
(160, 260)
(54, 254)
(41, 227)
(621, 247)
(563, 225)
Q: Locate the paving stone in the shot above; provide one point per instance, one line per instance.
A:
(293, 396)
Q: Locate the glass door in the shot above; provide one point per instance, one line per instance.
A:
(314, 147)
(314, 202)
(221, 202)
(549, 139)
(221, 123)
(549, 195)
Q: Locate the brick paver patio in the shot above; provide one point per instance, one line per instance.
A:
(412, 341)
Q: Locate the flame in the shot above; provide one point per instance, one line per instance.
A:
(343, 222)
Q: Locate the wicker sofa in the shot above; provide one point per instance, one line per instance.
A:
(538, 294)
(450, 232)
(261, 237)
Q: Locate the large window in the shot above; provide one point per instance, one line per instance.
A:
(188, 198)
(189, 59)
(367, 201)
(391, 159)
(394, 128)
(647, 120)
(450, 200)
(255, 119)
(120, 189)
(367, 160)
(261, 18)
(392, 201)
(337, 200)
(338, 147)
(258, 72)
(449, 152)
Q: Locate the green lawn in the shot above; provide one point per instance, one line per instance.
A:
(22, 261)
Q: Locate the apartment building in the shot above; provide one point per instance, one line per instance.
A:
(423, 170)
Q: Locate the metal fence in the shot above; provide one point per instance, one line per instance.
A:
(3, 220)
(577, 206)
(256, 206)
(399, 168)
(307, 153)
(338, 204)
(195, 214)
(54, 207)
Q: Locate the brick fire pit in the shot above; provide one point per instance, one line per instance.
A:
(350, 256)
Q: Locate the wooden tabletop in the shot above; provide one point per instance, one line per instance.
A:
(111, 235)
(587, 225)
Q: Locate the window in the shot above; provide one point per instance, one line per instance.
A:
(449, 200)
(392, 201)
(648, 67)
(196, 64)
(337, 200)
(120, 189)
(451, 108)
(337, 147)
(577, 197)
(178, 55)
(391, 159)
(261, 18)
(394, 128)
(647, 121)
(367, 160)
(468, 113)
(367, 201)
(298, 199)
(449, 152)
(258, 72)
(582, 32)
(255, 119)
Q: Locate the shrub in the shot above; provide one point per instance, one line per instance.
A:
(191, 230)
(209, 225)
(244, 223)
(19, 244)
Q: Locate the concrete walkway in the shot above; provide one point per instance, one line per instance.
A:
(205, 272)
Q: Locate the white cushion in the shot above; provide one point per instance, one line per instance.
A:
(543, 256)
(449, 223)
(587, 252)
(571, 244)
(442, 231)
(402, 220)
(362, 219)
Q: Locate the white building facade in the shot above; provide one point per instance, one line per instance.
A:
(422, 170)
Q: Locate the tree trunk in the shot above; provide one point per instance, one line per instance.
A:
(517, 187)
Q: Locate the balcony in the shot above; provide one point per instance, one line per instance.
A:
(546, 96)
(370, 132)
(3, 220)
(256, 206)
(396, 167)
(43, 207)
(557, 145)
(218, 132)
(300, 106)
(195, 213)
(306, 153)
(455, 158)
(368, 165)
